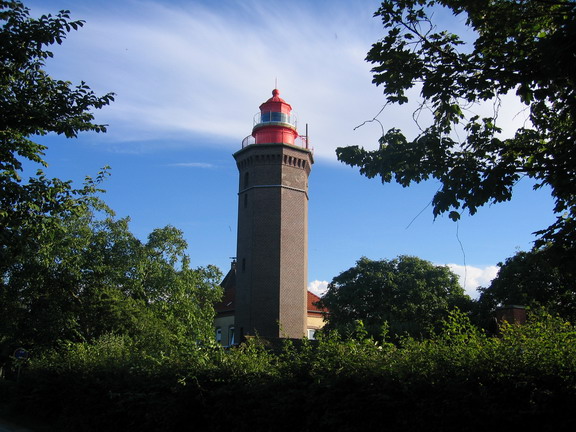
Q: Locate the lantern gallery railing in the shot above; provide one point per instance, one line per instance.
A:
(299, 141)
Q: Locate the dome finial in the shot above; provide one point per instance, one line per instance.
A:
(275, 92)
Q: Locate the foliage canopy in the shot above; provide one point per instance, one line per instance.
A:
(85, 277)
(527, 47)
(405, 294)
(523, 379)
(70, 272)
(31, 104)
(532, 279)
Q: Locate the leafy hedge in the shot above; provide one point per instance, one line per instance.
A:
(459, 380)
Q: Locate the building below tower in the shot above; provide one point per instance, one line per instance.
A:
(224, 322)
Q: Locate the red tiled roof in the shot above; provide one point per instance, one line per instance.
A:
(311, 307)
(227, 304)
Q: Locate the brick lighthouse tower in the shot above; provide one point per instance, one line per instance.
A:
(272, 251)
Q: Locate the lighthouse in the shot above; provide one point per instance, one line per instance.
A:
(272, 249)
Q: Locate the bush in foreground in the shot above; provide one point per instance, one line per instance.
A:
(459, 380)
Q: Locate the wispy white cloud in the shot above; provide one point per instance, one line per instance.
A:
(192, 165)
(473, 277)
(200, 70)
(318, 287)
(188, 69)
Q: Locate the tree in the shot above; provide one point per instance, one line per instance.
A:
(407, 294)
(527, 47)
(33, 104)
(86, 277)
(532, 279)
(65, 275)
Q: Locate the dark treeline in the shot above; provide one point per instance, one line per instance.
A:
(460, 379)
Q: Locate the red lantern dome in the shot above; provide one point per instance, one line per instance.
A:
(275, 123)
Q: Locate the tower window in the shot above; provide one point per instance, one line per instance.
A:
(245, 200)
(246, 179)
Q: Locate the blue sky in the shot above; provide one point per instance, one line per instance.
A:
(190, 75)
